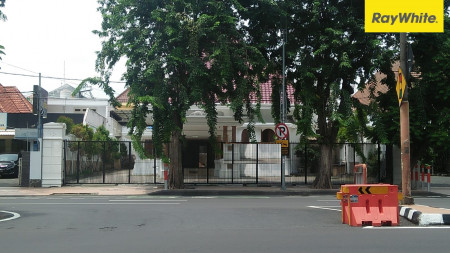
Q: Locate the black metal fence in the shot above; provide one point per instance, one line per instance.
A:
(260, 163)
(109, 162)
(116, 162)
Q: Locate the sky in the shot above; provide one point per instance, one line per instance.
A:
(54, 38)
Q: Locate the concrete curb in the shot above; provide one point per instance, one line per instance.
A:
(424, 219)
(228, 192)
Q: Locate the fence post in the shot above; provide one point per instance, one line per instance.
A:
(154, 164)
(207, 163)
(257, 162)
(232, 163)
(104, 158)
(78, 162)
(129, 162)
(65, 162)
(306, 163)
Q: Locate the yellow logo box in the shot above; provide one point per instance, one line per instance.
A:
(424, 16)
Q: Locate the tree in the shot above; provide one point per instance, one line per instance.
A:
(179, 54)
(330, 54)
(428, 94)
(68, 121)
(2, 18)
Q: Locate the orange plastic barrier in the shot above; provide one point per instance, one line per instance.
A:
(369, 204)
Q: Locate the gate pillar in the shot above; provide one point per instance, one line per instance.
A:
(52, 156)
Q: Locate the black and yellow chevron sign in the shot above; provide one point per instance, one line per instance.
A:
(373, 190)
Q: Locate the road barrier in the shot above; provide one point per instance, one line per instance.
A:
(425, 170)
(166, 176)
(428, 177)
(360, 174)
(369, 204)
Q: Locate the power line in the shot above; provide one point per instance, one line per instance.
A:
(52, 77)
(19, 68)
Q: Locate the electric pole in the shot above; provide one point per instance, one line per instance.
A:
(404, 126)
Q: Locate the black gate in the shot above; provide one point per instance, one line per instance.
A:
(109, 162)
(116, 162)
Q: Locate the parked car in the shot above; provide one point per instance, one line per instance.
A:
(9, 165)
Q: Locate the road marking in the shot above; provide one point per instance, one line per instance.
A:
(332, 208)
(147, 200)
(418, 227)
(14, 216)
(325, 200)
(97, 203)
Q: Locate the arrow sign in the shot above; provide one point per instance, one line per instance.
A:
(373, 190)
(401, 86)
(365, 190)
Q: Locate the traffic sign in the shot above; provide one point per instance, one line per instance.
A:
(373, 190)
(284, 146)
(401, 86)
(282, 131)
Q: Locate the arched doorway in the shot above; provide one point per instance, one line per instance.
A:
(268, 135)
(244, 136)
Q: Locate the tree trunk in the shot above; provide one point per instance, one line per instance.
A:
(176, 179)
(323, 179)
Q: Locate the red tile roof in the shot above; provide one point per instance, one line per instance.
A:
(378, 88)
(364, 96)
(12, 101)
(266, 93)
(123, 97)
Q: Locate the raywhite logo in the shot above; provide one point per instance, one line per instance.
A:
(404, 16)
(411, 17)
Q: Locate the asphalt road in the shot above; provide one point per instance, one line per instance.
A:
(214, 224)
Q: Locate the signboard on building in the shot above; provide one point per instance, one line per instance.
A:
(40, 100)
(26, 133)
(3, 121)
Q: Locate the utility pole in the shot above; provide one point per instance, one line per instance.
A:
(404, 127)
(283, 109)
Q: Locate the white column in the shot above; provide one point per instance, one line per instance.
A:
(52, 157)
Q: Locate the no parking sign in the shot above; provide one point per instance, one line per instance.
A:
(282, 131)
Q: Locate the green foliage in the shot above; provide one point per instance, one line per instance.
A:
(2, 18)
(179, 54)
(68, 121)
(328, 53)
(96, 146)
(1, 51)
(82, 132)
(428, 96)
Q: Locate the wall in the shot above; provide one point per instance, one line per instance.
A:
(52, 156)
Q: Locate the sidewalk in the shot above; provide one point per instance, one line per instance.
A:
(419, 214)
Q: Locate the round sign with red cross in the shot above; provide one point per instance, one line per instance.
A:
(282, 131)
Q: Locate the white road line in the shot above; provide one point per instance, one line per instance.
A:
(418, 227)
(96, 203)
(325, 200)
(147, 200)
(326, 208)
(15, 216)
